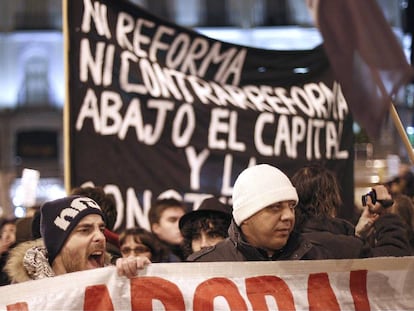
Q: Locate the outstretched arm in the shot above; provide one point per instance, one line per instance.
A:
(390, 238)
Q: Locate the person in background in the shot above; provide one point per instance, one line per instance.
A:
(163, 217)
(140, 242)
(72, 240)
(7, 241)
(205, 226)
(404, 207)
(108, 205)
(25, 231)
(403, 183)
(24, 225)
(319, 200)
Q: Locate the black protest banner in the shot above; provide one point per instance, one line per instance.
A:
(154, 109)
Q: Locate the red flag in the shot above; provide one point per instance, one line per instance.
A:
(365, 56)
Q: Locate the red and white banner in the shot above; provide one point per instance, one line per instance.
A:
(361, 284)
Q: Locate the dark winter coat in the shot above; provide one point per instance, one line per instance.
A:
(338, 236)
(235, 248)
(4, 278)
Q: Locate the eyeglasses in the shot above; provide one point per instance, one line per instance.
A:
(137, 250)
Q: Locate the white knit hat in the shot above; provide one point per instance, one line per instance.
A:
(258, 187)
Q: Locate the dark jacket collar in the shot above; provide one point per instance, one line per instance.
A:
(295, 248)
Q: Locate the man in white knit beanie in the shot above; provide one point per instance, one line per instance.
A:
(263, 221)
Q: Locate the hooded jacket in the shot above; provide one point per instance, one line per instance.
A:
(29, 261)
(235, 248)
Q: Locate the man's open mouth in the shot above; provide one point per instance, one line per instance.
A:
(96, 259)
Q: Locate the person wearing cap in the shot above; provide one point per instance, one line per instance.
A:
(264, 200)
(205, 226)
(72, 240)
(107, 203)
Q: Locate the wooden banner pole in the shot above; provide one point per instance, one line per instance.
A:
(401, 132)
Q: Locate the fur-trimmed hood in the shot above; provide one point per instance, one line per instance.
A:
(20, 258)
(29, 261)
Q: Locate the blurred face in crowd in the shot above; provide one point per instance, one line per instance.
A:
(205, 239)
(133, 247)
(270, 228)
(167, 228)
(8, 234)
(84, 248)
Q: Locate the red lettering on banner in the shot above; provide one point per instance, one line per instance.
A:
(321, 296)
(258, 287)
(208, 290)
(146, 289)
(97, 298)
(19, 306)
(358, 285)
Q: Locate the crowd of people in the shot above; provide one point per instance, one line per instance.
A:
(272, 217)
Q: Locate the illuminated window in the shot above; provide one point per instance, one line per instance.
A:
(34, 90)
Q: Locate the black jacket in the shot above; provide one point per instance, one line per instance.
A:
(4, 278)
(234, 248)
(338, 236)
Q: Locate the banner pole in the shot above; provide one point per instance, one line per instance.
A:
(66, 132)
(401, 131)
